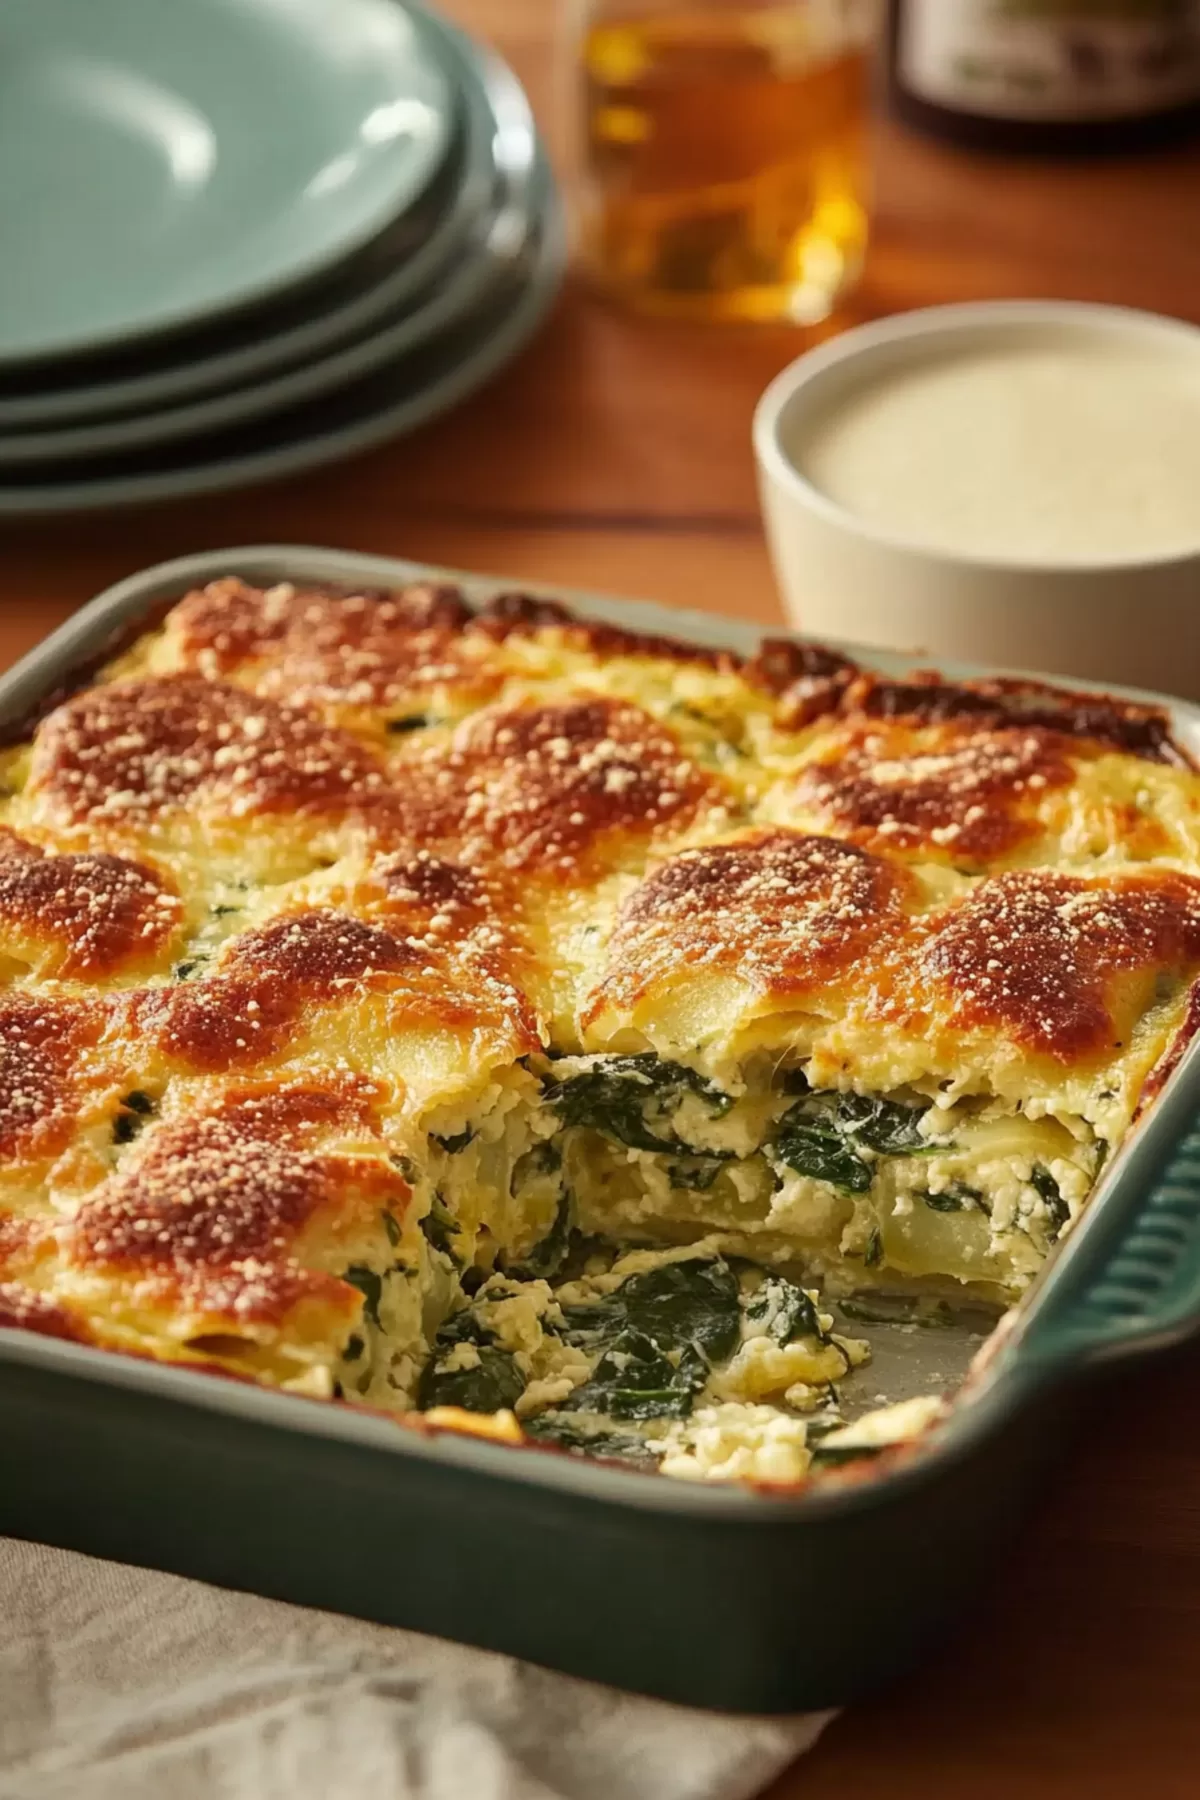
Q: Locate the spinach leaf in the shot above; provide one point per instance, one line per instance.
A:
(679, 1305)
(634, 1380)
(440, 1228)
(548, 1257)
(873, 1255)
(136, 1108)
(370, 1285)
(952, 1197)
(788, 1311)
(492, 1385)
(813, 1147)
(674, 1078)
(354, 1348)
(659, 1332)
(836, 1456)
(824, 1137)
(543, 1160)
(686, 1303)
(695, 1174)
(609, 1104)
(1057, 1208)
(615, 1095)
(461, 1327)
(568, 1434)
(886, 1126)
(593, 1322)
(414, 722)
(392, 1226)
(452, 1145)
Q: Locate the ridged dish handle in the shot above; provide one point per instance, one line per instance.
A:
(1133, 1284)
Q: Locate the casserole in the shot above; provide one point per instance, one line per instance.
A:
(749, 1567)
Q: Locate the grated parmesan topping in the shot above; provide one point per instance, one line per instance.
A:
(42, 1045)
(138, 750)
(217, 1207)
(969, 792)
(539, 788)
(781, 909)
(1039, 953)
(429, 849)
(88, 914)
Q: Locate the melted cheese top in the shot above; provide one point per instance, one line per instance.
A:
(304, 874)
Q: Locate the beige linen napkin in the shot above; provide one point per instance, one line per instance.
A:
(116, 1684)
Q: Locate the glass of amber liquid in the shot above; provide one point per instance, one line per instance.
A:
(722, 153)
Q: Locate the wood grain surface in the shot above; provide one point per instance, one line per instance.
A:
(616, 456)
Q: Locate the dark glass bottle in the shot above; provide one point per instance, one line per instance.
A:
(1047, 75)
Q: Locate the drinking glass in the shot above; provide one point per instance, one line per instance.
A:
(722, 152)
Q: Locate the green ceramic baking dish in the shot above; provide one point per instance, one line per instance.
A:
(712, 1596)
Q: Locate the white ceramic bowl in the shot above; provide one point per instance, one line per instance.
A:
(1131, 619)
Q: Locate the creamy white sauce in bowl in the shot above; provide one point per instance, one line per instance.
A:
(1048, 447)
(1010, 482)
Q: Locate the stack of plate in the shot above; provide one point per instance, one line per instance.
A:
(242, 238)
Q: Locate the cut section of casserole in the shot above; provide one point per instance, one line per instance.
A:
(521, 1022)
(881, 1074)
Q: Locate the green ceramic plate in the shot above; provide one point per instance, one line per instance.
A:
(382, 405)
(484, 263)
(166, 161)
(396, 270)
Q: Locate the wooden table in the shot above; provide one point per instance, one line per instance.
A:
(616, 455)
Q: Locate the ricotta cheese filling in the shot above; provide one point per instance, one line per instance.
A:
(631, 1261)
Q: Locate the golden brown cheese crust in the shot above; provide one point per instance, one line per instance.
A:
(1001, 703)
(466, 924)
(949, 789)
(220, 627)
(1041, 957)
(1055, 964)
(428, 893)
(243, 1015)
(215, 1210)
(807, 680)
(332, 650)
(132, 753)
(84, 915)
(348, 653)
(44, 1044)
(550, 766)
(220, 1231)
(22, 1309)
(275, 980)
(786, 912)
(551, 790)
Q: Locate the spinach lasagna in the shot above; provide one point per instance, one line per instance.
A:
(515, 1021)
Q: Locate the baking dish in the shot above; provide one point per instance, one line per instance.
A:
(716, 1596)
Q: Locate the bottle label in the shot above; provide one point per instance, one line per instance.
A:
(1051, 59)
